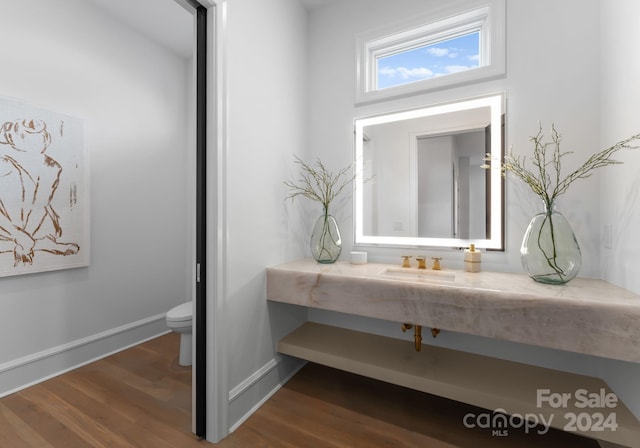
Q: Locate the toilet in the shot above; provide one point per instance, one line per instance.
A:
(180, 320)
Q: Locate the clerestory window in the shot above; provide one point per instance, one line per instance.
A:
(442, 58)
(458, 48)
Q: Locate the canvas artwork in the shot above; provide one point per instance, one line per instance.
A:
(44, 199)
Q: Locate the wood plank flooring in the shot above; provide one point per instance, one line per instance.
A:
(324, 407)
(141, 397)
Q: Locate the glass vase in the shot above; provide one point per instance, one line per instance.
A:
(550, 252)
(326, 243)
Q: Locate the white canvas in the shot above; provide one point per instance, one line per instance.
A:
(44, 195)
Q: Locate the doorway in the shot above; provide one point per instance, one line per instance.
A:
(183, 29)
(198, 93)
(200, 372)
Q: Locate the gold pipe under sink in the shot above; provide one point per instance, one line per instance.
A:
(417, 334)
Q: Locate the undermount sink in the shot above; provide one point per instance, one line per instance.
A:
(419, 275)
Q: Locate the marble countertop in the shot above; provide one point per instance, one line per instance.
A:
(587, 316)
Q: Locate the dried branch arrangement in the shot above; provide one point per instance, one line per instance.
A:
(318, 183)
(545, 178)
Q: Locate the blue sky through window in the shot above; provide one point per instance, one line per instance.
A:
(429, 61)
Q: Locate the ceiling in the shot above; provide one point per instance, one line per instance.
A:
(165, 21)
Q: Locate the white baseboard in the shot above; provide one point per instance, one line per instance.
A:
(23, 372)
(253, 392)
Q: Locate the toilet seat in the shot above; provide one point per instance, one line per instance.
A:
(181, 314)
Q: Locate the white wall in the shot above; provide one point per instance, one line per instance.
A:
(394, 211)
(620, 97)
(265, 72)
(554, 75)
(68, 57)
(620, 185)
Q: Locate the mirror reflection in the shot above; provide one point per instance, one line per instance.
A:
(451, 160)
(430, 185)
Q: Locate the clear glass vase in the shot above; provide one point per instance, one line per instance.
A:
(550, 252)
(326, 243)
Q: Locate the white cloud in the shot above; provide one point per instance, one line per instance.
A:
(453, 55)
(420, 72)
(436, 51)
(406, 73)
(474, 57)
(387, 71)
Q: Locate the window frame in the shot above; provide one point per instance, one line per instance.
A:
(487, 16)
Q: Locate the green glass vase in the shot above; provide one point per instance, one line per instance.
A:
(326, 243)
(550, 252)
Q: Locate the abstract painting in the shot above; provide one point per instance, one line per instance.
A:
(44, 197)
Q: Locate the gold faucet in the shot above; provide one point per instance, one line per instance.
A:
(421, 263)
(405, 261)
(417, 334)
(436, 263)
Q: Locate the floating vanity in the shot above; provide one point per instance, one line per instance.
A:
(587, 316)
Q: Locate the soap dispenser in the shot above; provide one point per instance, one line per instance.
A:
(472, 258)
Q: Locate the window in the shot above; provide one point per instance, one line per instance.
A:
(441, 51)
(442, 58)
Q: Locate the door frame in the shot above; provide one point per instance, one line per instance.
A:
(199, 372)
(209, 378)
(209, 419)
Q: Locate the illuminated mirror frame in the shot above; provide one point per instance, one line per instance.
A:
(496, 242)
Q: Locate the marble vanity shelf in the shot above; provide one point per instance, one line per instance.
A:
(587, 316)
(478, 380)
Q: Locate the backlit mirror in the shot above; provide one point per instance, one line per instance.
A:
(424, 179)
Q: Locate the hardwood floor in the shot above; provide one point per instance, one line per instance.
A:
(141, 397)
(324, 407)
